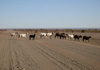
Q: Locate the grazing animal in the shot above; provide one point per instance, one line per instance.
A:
(32, 36)
(70, 36)
(77, 37)
(86, 38)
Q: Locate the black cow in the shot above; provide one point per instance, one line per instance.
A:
(32, 36)
(86, 38)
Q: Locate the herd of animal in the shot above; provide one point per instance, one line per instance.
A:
(51, 34)
(72, 36)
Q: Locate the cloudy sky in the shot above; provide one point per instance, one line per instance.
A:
(49, 13)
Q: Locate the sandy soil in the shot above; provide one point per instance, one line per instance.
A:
(47, 54)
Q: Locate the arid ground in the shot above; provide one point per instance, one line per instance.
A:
(48, 54)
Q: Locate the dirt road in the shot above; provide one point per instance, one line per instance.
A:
(47, 54)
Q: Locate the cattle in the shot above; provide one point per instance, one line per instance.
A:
(77, 37)
(60, 35)
(86, 38)
(32, 36)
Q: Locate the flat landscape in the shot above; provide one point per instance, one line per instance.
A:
(48, 54)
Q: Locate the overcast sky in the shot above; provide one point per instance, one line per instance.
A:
(49, 13)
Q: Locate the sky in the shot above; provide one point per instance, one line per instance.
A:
(49, 14)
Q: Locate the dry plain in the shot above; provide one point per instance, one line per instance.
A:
(48, 54)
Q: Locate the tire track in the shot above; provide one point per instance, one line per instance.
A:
(2, 54)
(20, 60)
(37, 55)
(63, 62)
(4, 58)
(85, 61)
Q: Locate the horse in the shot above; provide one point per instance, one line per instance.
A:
(23, 35)
(70, 36)
(13, 34)
(60, 35)
(63, 36)
(77, 37)
(45, 35)
(86, 38)
(32, 36)
(49, 35)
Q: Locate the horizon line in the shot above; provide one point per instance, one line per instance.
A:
(49, 28)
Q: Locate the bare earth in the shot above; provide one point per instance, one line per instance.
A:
(47, 54)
